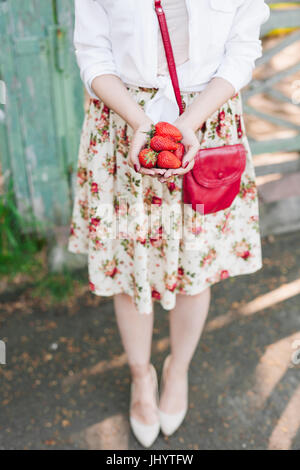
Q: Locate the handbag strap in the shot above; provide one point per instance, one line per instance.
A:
(169, 53)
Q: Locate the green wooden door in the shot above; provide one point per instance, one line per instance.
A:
(41, 121)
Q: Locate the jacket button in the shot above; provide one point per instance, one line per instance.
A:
(220, 174)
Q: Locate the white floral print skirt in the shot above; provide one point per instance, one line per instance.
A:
(139, 237)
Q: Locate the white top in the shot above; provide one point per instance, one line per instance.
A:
(121, 37)
(178, 26)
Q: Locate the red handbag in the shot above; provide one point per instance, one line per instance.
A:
(214, 181)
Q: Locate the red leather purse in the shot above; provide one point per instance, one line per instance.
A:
(214, 181)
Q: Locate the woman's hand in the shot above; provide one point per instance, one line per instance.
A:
(191, 144)
(139, 140)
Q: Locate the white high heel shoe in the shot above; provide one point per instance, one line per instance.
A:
(145, 433)
(169, 423)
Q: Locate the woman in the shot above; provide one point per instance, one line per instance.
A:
(123, 66)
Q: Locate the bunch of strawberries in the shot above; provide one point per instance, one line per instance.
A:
(164, 149)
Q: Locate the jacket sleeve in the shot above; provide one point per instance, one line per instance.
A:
(243, 46)
(92, 42)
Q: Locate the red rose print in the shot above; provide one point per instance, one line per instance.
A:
(81, 176)
(156, 294)
(219, 130)
(94, 188)
(246, 254)
(96, 103)
(224, 274)
(173, 287)
(222, 115)
(93, 142)
(156, 242)
(171, 187)
(111, 268)
(92, 286)
(156, 200)
(98, 244)
(180, 271)
(95, 221)
(105, 136)
(203, 128)
(239, 126)
(113, 272)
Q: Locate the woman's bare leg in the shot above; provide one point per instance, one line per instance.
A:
(187, 320)
(136, 334)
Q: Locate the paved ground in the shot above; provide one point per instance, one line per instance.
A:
(66, 382)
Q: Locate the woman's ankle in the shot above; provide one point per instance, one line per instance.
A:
(140, 372)
(177, 369)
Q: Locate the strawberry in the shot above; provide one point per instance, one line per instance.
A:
(179, 152)
(148, 158)
(168, 130)
(159, 143)
(167, 159)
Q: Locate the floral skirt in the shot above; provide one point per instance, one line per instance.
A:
(152, 263)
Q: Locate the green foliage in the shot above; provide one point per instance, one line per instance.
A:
(21, 251)
(17, 245)
(56, 286)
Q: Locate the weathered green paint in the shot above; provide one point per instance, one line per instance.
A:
(44, 109)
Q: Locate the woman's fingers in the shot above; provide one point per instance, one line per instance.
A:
(159, 171)
(190, 155)
(137, 143)
(147, 171)
(139, 139)
(169, 172)
(189, 167)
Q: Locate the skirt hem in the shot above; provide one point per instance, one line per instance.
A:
(197, 292)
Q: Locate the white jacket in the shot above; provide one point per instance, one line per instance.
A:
(120, 37)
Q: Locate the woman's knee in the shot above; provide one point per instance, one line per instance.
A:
(200, 295)
(128, 300)
(202, 300)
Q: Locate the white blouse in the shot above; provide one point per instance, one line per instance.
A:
(178, 25)
(121, 37)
